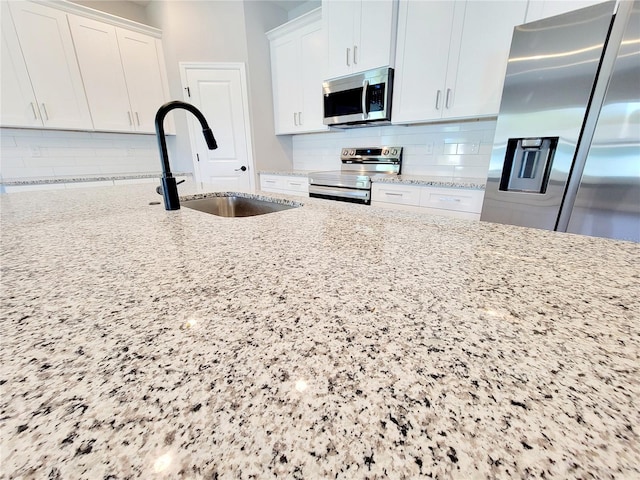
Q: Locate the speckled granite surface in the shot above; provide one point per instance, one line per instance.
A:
(291, 173)
(83, 178)
(326, 341)
(474, 183)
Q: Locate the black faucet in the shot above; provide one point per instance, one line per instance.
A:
(169, 186)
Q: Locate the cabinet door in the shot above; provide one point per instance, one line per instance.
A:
(548, 8)
(312, 58)
(19, 106)
(478, 57)
(340, 18)
(99, 59)
(285, 65)
(141, 63)
(48, 51)
(375, 45)
(424, 32)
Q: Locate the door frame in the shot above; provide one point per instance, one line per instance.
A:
(240, 66)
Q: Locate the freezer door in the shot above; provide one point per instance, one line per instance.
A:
(608, 200)
(552, 69)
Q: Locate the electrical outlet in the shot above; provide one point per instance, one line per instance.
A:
(428, 148)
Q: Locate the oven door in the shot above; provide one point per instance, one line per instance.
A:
(360, 98)
(341, 194)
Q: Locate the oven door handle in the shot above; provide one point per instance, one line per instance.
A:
(365, 87)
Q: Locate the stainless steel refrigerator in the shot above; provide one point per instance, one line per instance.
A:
(566, 154)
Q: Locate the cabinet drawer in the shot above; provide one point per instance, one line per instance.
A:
(399, 194)
(271, 183)
(296, 184)
(457, 199)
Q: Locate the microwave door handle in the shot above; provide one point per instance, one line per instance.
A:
(365, 87)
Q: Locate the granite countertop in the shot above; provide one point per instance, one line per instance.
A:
(326, 341)
(84, 178)
(472, 183)
(292, 173)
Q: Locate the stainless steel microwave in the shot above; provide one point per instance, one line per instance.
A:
(359, 99)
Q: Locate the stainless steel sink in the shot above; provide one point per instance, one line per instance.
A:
(236, 206)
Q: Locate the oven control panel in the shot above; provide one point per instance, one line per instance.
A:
(371, 155)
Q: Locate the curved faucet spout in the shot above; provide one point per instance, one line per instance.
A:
(169, 186)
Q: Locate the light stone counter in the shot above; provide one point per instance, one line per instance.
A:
(327, 341)
(471, 183)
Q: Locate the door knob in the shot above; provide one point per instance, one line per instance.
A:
(243, 168)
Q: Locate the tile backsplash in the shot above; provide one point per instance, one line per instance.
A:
(32, 154)
(448, 151)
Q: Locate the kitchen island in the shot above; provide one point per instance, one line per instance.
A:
(326, 341)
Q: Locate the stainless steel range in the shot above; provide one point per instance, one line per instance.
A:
(353, 182)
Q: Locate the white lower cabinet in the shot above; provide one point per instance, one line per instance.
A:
(455, 202)
(397, 194)
(287, 184)
(452, 202)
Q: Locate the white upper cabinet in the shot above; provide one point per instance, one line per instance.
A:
(548, 8)
(19, 104)
(65, 68)
(360, 35)
(298, 54)
(142, 62)
(99, 59)
(122, 75)
(451, 59)
(47, 47)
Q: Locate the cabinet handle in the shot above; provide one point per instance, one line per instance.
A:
(348, 53)
(355, 54)
(299, 118)
(448, 96)
(295, 118)
(44, 109)
(130, 119)
(438, 100)
(33, 109)
(295, 184)
(449, 199)
(269, 181)
(138, 118)
(392, 194)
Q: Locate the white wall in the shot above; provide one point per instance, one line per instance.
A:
(224, 31)
(444, 151)
(270, 151)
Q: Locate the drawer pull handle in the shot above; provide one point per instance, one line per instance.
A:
(449, 199)
(392, 194)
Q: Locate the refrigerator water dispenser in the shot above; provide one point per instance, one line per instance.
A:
(528, 164)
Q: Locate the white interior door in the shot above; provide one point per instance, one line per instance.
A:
(219, 92)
